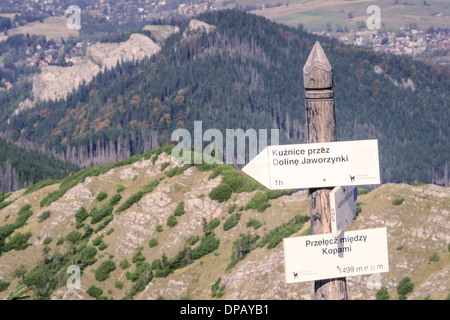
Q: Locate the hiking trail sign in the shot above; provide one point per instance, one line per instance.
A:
(323, 256)
(316, 165)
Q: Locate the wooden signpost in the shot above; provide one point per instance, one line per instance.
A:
(324, 165)
(321, 126)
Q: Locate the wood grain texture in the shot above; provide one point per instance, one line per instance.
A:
(321, 127)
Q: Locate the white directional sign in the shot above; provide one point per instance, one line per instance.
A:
(323, 256)
(316, 165)
(342, 207)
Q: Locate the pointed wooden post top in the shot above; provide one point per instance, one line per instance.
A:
(317, 72)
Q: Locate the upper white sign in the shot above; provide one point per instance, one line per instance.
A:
(316, 165)
(342, 207)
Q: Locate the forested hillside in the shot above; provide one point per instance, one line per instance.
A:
(20, 168)
(247, 73)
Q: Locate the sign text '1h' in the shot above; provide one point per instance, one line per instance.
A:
(316, 165)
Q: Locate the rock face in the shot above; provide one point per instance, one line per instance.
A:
(196, 27)
(109, 54)
(56, 82)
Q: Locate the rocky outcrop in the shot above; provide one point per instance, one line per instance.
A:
(196, 28)
(55, 82)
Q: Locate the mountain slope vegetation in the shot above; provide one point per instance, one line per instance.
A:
(147, 228)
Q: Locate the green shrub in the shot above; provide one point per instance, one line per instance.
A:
(179, 210)
(4, 204)
(99, 214)
(19, 241)
(102, 246)
(213, 224)
(156, 264)
(253, 223)
(105, 222)
(103, 271)
(118, 285)
(232, 208)
(192, 240)
(177, 170)
(47, 241)
(259, 202)
(164, 165)
(120, 188)
(221, 193)
(102, 196)
(124, 264)
(97, 240)
(60, 241)
(397, 201)
(362, 191)
(3, 285)
(80, 216)
(208, 245)
(275, 236)
(94, 292)
(159, 228)
(172, 221)
(382, 294)
(44, 216)
(217, 290)
(138, 258)
(242, 247)
(404, 287)
(73, 237)
(87, 256)
(231, 221)
(138, 196)
(115, 199)
(3, 196)
(275, 194)
(434, 257)
(153, 242)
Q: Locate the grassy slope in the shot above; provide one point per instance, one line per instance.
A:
(420, 225)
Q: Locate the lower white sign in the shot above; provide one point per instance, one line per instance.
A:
(323, 256)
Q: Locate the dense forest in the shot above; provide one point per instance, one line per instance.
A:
(248, 74)
(19, 167)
